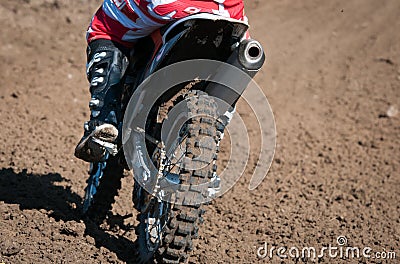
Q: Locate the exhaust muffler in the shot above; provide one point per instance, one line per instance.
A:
(248, 57)
(251, 56)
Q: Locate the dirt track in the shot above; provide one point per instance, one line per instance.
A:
(333, 73)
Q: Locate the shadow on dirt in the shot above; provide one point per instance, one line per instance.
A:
(33, 191)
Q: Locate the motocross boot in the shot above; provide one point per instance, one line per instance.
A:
(106, 67)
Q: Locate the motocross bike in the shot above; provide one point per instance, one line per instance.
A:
(170, 196)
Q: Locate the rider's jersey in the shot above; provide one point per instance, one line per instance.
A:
(125, 21)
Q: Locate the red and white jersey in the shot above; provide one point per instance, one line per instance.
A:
(125, 21)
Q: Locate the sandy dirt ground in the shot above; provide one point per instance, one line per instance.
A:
(332, 79)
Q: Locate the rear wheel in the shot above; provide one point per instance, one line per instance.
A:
(177, 224)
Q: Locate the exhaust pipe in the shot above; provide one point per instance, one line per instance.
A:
(249, 57)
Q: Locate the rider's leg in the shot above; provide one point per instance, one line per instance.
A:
(107, 62)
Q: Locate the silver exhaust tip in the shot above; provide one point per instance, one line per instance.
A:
(251, 54)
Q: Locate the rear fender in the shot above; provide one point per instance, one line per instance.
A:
(162, 52)
(173, 33)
